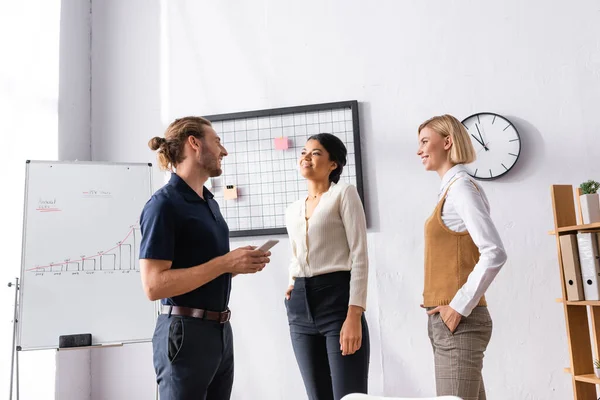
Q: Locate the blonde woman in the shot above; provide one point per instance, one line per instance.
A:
(463, 255)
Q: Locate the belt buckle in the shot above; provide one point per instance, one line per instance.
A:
(225, 316)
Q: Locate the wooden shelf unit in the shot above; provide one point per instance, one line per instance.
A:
(577, 228)
(580, 303)
(589, 378)
(576, 312)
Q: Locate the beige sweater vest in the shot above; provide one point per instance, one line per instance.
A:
(449, 259)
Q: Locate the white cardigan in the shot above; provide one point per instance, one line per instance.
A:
(336, 239)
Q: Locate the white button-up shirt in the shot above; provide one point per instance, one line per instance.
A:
(333, 239)
(467, 208)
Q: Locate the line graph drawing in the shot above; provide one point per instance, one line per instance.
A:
(48, 209)
(120, 257)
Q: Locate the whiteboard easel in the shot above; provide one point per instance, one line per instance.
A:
(79, 266)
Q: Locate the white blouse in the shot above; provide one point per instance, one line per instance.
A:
(333, 239)
(467, 208)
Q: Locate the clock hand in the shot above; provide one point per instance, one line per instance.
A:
(478, 141)
(484, 146)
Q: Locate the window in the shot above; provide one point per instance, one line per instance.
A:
(29, 39)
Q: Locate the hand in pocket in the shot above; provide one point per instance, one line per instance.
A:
(450, 317)
(288, 292)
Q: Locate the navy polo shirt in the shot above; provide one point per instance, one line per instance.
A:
(179, 226)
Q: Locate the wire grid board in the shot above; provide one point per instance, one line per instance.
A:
(267, 179)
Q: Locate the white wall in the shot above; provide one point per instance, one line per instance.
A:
(536, 62)
(74, 105)
(123, 31)
(125, 69)
(73, 374)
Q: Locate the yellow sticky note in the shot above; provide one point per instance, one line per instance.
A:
(230, 192)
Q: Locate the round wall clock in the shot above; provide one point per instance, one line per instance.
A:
(497, 145)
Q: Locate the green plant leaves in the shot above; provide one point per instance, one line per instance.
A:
(589, 187)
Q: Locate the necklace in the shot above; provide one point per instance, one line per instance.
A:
(314, 196)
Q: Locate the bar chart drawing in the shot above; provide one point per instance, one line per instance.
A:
(121, 257)
(85, 258)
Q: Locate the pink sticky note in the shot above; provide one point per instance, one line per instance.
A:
(281, 143)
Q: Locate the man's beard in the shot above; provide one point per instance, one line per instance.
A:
(210, 164)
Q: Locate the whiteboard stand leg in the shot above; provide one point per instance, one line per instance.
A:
(17, 370)
(15, 349)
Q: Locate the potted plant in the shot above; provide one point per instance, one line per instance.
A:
(590, 202)
(597, 367)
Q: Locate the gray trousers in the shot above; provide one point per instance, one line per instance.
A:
(458, 356)
(193, 358)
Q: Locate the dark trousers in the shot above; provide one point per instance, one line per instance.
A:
(316, 311)
(193, 358)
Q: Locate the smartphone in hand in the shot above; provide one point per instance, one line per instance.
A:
(268, 245)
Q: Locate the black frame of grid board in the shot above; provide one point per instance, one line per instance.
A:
(352, 104)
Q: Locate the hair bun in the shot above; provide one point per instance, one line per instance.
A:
(157, 142)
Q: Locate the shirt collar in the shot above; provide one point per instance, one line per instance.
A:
(450, 175)
(325, 194)
(328, 191)
(186, 191)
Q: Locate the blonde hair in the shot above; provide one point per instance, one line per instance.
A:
(462, 151)
(170, 147)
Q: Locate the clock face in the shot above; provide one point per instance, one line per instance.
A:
(497, 145)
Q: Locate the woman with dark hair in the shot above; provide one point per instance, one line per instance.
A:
(327, 295)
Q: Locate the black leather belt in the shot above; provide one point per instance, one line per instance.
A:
(220, 317)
